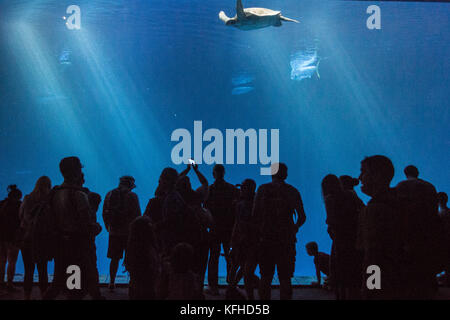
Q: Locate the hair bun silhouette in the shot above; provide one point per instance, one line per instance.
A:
(11, 187)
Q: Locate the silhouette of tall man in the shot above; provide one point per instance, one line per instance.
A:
(71, 209)
(421, 228)
(379, 234)
(276, 204)
(219, 201)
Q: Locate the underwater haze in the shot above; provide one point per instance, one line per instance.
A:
(113, 92)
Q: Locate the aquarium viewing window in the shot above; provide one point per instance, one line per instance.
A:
(132, 87)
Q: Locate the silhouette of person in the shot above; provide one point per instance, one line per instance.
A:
(343, 208)
(219, 202)
(142, 260)
(321, 261)
(93, 276)
(73, 222)
(196, 228)
(444, 214)
(275, 207)
(379, 228)
(348, 183)
(175, 213)
(234, 293)
(243, 256)
(120, 208)
(421, 227)
(179, 282)
(9, 225)
(154, 211)
(442, 201)
(94, 203)
(27, 214)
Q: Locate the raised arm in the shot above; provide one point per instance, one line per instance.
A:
(200, 176)
(185, 171)
(203, 189)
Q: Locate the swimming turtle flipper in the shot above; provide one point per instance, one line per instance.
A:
(288, 19)
(223, 17)
(240, 9)
(317, 69)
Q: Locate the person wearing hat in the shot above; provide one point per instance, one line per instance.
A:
(120, 208)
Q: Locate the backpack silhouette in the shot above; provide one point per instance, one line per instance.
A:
(117, 215)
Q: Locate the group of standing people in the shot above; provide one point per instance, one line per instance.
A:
(402, 230)
(182, 232)
(251, 227)
(57, 224)
(168, 248)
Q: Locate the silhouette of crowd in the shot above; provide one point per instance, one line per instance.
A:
(167, 250)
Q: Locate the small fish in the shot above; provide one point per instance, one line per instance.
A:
(241, 79)
(241, 90)
(64, 57)
(304, 66)
(305, 72)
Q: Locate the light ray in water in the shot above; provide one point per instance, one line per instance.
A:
(118, 95)
(41, 76)
(24, 172)
(57, 109)
(51, 98)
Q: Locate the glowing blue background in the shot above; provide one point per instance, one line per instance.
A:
(140, 69)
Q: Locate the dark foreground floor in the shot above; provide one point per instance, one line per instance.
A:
(121, 293)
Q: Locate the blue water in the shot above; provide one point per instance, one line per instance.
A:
(114, 91)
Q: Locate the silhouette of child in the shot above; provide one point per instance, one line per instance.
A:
(142, 260)
(321, 261)
(179, 282)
